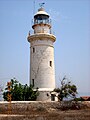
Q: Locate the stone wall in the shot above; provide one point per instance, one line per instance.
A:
(21, 107)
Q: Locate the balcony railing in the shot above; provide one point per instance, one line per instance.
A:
(32, 32)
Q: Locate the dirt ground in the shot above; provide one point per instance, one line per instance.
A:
(49, 115)
(45, 111)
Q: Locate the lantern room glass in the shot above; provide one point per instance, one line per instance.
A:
(41, 19)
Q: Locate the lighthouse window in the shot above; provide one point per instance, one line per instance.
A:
(33, 50)
(50, 63)
(33, 82)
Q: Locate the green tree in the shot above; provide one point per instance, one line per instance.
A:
(20, 92)
(67, 90)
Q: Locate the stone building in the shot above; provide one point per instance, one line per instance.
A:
(42, 71)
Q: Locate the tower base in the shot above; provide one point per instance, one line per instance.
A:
(46, 94)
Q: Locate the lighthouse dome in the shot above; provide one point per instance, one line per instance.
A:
(41, 11)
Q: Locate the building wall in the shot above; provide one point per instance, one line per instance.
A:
(42, 52)
(42, 28)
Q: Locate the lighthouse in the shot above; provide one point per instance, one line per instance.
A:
(42, 68)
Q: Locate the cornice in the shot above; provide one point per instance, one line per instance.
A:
(41, 36)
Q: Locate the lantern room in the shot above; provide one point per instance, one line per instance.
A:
(41, 17)
(42, 22)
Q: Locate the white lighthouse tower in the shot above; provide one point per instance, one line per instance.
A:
(42, 72)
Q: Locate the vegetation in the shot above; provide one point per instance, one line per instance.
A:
(20, 92)
(67, 90)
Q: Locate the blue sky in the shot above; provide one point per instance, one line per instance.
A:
(71, 25)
